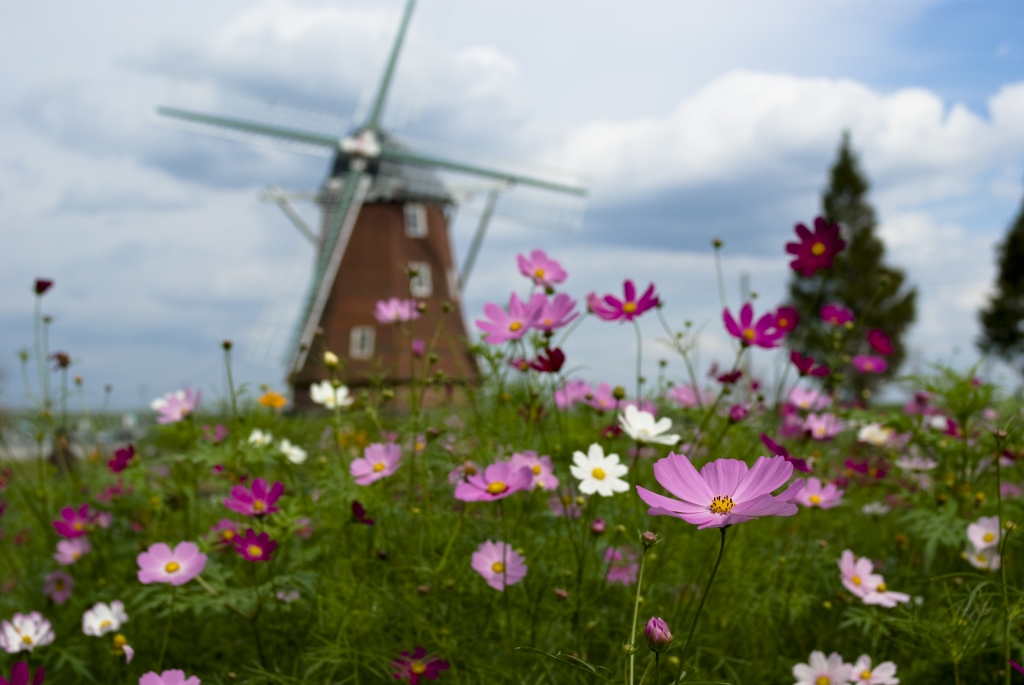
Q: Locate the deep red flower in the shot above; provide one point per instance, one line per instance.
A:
(780, 451)
(552, 363)
(865, 468)
(359, 514)
(255, 547)
(815, 250)
(121, 459)
(42, 285)
(806, 367)
(627, 309)
(730, 378)
(880, 341)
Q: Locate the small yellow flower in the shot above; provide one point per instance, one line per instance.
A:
(273, 400)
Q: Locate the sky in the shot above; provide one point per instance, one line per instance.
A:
(687, 120)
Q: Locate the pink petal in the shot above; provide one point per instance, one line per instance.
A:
(676, 474)
(723, 476)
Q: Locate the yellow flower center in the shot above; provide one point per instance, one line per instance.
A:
(989, 537)
(75, 555)
(629, 307)
(868, 366)
(229, 535)
(120, 640)
(78, 526)
(515, 326)
(106, 624)
(536, 469)
(58, 585)
(749, 334)
(865, 675)
(255, 551)
(855, 580)
(782, 323)
(27, 639)
(258, 505)
(418, 667)
(547, 322)
(881, 587)
(497, 487)
(379, 466)
(818, 249)
(815, 499)
(981, 559)
(172, 567)
(539, 273)
(722, 504)
(598, 473)
(498, 567)
(470, 470)
(823, 680)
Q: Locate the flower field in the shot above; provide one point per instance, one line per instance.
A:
(537, 528)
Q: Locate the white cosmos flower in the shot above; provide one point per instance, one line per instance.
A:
(882, 674)
(598, 473)
(916, 463)
(104, 618)
(822, 670)
(326, 394)
(875, 434)
(25, 631)
(984, 533)
(641, 426)
(986, 559)
(260, 438)
(293, 453)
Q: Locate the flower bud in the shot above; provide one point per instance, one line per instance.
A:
(561, 594)
(657, 634)
(597, 526)
(628, 649)
(619, 392)
(447, 307)
(331, 360)
(649, 539)
(737, 413)
(421, 307)
(226, 345)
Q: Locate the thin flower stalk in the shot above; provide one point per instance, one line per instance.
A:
(700, 607)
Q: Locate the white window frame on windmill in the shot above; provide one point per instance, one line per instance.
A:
(421, 284)
(415, 219)
(361, 342)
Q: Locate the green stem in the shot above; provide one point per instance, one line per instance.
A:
(700, 607)
(167, 630)
(231, 382)
(636, 611)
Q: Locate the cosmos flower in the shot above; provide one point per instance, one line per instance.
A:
(880, 341)
(603, 399)
(628, 308)
(289, 596)
(42, 285)
(875, 434)
(882, 674)
(543, 473)
(549, 361)
(330, 397)
(75, 523)
(20, 674)
(764, 333)
(858, 576)
(70, 551)
(172, 677)
(780, 451)
(544, 271)
(499, 564)
(25, 632)
(808, 399)
(689, 397)
(657, 634)
(259, 438)
(725, 492)
(823, 427)
(737, 413)
(292, 453)
(176, 406)
(394, 310)
(418, 347)
(413, 666)
(866, 363)
(984, 533)
(815, 250)
(823, 671)
(255, 547)
(258, 501)
(122, 458)
(497, 481)
(501, 326)
(815, 494)
(58, 586)
(463, 471)
(379, 460)
(161, 564)
(359, 514)
(224, 532)
(641, 426)
(104, 618)
(622, 566)
(805, 365)
(554, 313)
(836, 314)
(571, 393)
(986, 559)
(272, 400)
(598, 473)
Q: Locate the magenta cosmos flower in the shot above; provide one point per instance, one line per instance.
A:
(75, 523)
(255, 547)
(58, 586)
(836, 314)
(499, 480)
(815, 494)
(175, 406)
(379, 460)
(543, 270)
(880, 341)
(121, 459)
(543, 474)
(815, 250)
(417, 665)
(786, 319)
(20, 675)
(510, 325)
(161, 564)
(499, 564)
(173, 677)
(554, 313)
(394, 310)
(628, 308)
(725, 491)
(805, 365)
(764, 333)
(70, 551)
(866, 363)
(256, 502)
(780, 451)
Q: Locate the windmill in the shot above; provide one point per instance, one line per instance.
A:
(384, 233)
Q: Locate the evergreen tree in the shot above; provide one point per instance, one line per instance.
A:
(859, 280)
(1002, 319)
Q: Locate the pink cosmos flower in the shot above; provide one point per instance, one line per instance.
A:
(857, 575)
(58, 586)
(379, 460)
(161, 564)
(786, 319)
(573, 392)
(76, 523)
(499, 564)
(70, 551)
(822, 671)
(780, 451)
(394, 310)
(836, 314)
(215, 434)
(602, 399)
(543, 473)
(224, 532)
(824, 427)
(20, 672)
(511, 325)
(688, 397)
(544, 271)
(866, 363)
(1011, 490)
(815, 250)
(764, 333)
(725, 491)
(121, 459)
(175, 406)
(809, 400)
(419, 347)
(806, 367)
(259, 501)
(629, 307)
(498, 481)
(882, 674)
(173, 677)
(880, 341)
(417, 665)
(553, 314)
(255, 547)
(597, 307)
(622, 566)
(816, 495)
(463, 471)
(104, 519)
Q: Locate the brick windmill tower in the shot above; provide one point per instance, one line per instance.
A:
(385, 214)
